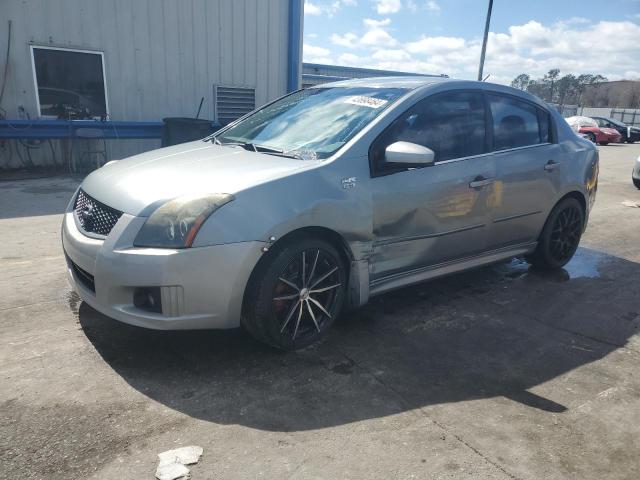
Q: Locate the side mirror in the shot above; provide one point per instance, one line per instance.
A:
(407, 152)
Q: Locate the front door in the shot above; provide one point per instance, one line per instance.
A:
(430, 215)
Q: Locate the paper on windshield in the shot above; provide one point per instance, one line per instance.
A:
(364, 101)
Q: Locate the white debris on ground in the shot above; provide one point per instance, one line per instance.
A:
(171, 465)
(631, 203)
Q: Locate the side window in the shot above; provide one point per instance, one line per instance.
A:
(544, 120)
(515, 123)
(451, 124)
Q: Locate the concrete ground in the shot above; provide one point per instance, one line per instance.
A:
(499, 373)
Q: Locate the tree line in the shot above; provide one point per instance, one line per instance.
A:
(561, 90)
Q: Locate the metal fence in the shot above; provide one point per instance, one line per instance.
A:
(630, 116)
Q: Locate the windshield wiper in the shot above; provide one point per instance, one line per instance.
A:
(269, 150)
(256, 148)
(217, 141)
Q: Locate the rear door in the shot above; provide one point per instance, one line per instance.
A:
(528, 168)
(429, 215)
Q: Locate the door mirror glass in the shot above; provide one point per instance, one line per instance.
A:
(407, 152)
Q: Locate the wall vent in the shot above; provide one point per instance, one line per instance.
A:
(233, 102)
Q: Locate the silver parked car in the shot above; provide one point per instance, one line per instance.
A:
(324, 198)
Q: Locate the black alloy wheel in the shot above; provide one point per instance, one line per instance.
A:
(560, 236)
(296, 295)
(565, 235)
(306, 293)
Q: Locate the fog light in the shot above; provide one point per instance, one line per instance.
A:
(148, 298)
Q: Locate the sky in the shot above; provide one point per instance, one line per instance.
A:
(445, 36)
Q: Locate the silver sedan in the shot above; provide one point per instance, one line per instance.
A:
(324, 198)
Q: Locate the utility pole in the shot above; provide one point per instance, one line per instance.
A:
(484, 41)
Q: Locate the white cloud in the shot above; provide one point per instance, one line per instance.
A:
(316, 51)
(348, 40)
(377, 37)
(351, 60)
(371, 23)
(315, 54)
(576, 21)
(327, 8)
(311, 8)
(433, 6)
(391, 55)
(436, 45)
(384, 7)
(572, 45)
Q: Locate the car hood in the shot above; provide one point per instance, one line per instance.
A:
(609, 131)
(132, 184)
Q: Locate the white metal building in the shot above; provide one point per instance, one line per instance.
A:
(143, 60)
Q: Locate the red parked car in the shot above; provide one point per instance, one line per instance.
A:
(589, 127)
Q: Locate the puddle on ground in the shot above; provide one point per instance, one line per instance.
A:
(74, 301)
(584, 264)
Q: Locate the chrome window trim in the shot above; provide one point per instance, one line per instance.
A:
(495, 152)
(461, 159)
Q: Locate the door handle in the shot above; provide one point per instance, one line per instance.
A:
(480, 182)
(551, 165)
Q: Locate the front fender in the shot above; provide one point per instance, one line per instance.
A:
(309, 198)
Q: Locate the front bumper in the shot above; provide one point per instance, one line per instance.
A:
(200, 287)
(612, 138)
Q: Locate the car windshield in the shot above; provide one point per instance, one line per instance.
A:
(312, 123)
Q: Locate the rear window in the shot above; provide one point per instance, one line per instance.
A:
(517, 123)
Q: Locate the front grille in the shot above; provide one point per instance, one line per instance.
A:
(94, 216)
(84, 277)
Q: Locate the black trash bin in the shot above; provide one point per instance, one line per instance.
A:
(181, 129)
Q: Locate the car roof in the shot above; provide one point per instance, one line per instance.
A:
(410, 82)
(414, 82)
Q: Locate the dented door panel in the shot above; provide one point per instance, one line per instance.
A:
(430, 215)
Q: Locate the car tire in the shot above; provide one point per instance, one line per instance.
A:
(591, 137)
(560, 236)
(289, 306)
(636, 182)
(604, 143)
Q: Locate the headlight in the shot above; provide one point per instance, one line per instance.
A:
(176, 223)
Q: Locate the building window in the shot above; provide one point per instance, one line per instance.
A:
(233, 102)
(69, 84)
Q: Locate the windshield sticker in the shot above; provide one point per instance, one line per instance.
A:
(363, 101)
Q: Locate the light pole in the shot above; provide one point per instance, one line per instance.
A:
(484, 41)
